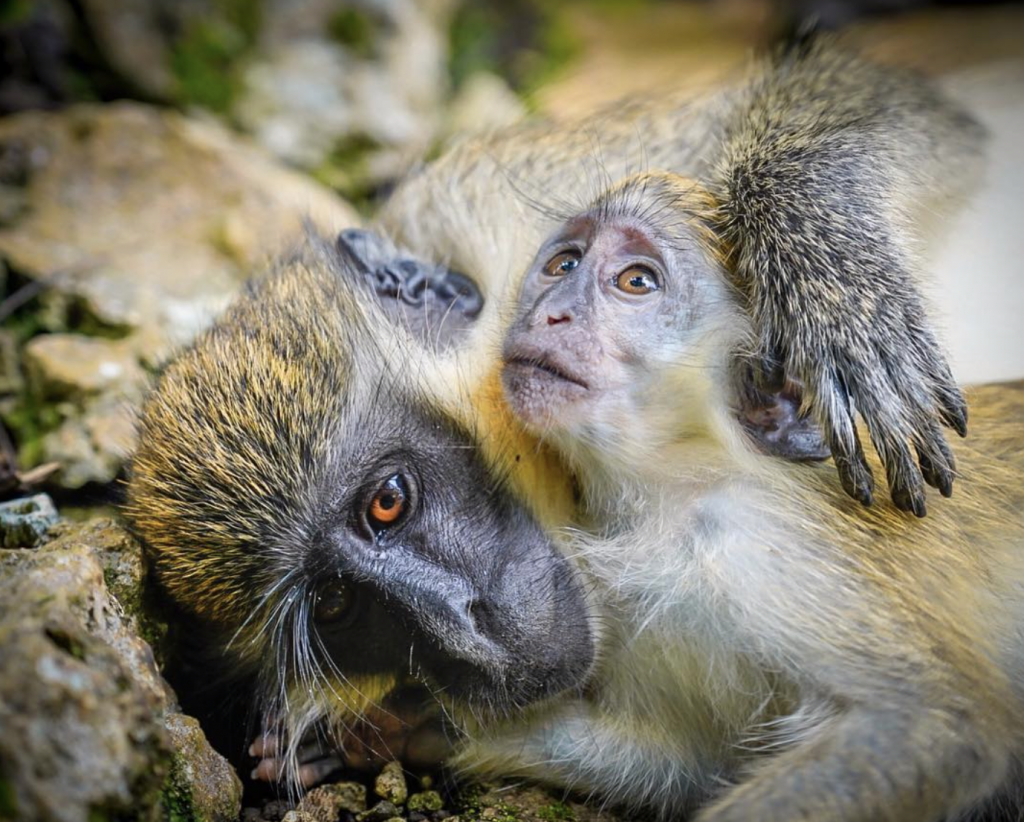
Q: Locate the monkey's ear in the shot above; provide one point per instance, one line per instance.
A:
(436, 303)
(773, 421)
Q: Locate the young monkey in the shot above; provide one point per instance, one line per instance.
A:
(830, 662)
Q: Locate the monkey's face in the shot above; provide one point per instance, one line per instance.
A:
(423, 564)
(616, 301)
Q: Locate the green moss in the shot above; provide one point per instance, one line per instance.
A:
(556, 812)
(207, 59)
(504, 813)
(203, 64)
(13, 12)
(8, 801)
(355, 30)
(67, 643)
(525, 41)
(176, 796)
(474, 43)
(471, 807)
(133, 601)
(557, 46)
(29, 420)
(346, 170)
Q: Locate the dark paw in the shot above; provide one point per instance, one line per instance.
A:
(408, 726)
(904, 391)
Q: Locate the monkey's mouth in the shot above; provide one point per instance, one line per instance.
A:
(547, 366)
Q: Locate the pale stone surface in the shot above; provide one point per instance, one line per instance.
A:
(152, 221)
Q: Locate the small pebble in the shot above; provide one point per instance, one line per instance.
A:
(390, 784)
(380, 812)
(416, 816)
(425, 801)
(275, 810)
(328, 801)
(437, 816)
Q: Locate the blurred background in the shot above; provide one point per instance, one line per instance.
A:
(154, 154)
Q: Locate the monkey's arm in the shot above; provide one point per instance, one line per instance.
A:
(821, 166)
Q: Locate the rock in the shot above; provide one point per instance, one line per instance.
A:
(390, 784)
(88, 727)
(123, 214)
(92, 440)
(79, 732)
(376, 79)
(276, 809)
(24, 522)
(380, 812)
(325, 804)
(425, 801)
(123, 224)
(62, 365)
(202, 785)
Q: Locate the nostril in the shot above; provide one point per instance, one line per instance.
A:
(481, 617)
(562, 318)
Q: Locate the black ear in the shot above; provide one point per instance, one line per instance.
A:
(436, 303)
(772, 420)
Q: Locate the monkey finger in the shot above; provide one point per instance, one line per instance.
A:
(313, 773)
(267, 770)
(832, 404)
(952, 408)
(935, 476)
(855, 474)
(938, 466)
(263, 746)
(906, 484)
(949, 400)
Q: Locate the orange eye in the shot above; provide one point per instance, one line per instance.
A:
(562, 263)
(637, 280)
(389, 503)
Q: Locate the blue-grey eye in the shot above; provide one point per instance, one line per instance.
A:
(562, 263)
(638, 281)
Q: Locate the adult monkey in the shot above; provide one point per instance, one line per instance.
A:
(820, 167)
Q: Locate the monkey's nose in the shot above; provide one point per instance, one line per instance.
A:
(561, 318)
